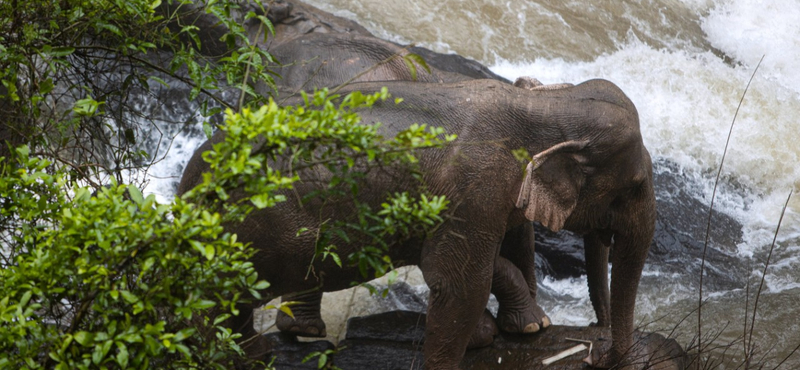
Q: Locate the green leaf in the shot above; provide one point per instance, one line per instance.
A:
(261, 201)
(285, 308)
(336, 259)
(204, 304)
(207, 129)
(46, 86)
(122, 356)
(86, 107)
(156, 78)
(129, 297)
(110, 27)
(411, 68)
(84, 338)
(419, 60)
(136, 194)
(61, 51)
(23, 151)
(221, 318)
(209, 252)
(261, 285)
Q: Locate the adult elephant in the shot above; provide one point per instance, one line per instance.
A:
(319, 60)
(590, 173)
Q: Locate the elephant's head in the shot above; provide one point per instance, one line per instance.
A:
(599, 183)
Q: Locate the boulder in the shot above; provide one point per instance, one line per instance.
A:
(678, 241)
(393, 341)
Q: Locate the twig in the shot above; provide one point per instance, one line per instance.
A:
(711, 210)
(764, 273)
(564, 354)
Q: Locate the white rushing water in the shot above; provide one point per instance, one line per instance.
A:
(685, 64)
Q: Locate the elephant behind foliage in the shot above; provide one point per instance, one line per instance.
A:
(590, 174)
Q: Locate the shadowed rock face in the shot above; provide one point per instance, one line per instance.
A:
(393, 340)
(678, 242)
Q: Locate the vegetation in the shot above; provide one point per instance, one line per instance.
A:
(94, 274)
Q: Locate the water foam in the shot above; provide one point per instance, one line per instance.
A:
(747, 29)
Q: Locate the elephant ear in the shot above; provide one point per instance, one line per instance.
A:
(552, 183)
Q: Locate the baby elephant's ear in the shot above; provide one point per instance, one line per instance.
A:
(553, 181)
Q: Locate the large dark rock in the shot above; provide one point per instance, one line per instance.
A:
(289, 353)
(393, 341)
(680, 234)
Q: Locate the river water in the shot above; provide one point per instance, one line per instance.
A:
(685, 64)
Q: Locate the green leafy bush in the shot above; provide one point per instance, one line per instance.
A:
(113, 279)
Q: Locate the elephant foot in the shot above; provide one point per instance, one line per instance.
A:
(528, 320)
(604, 357)
(484, 333)
(304, 324)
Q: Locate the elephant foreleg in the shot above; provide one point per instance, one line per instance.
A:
(596, 251)
(518, 312)
(307, 321)
(632, 239)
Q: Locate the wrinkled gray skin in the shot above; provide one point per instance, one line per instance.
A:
(319, 60)
(590, 174)
(327, 60)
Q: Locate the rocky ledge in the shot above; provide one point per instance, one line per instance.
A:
(393, 341)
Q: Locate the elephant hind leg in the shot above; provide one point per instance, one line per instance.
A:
(307, 321)
(518, 312)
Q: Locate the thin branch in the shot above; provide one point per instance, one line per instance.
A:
(766, 265)
(161, 69)
(711, 209)
(376, 65)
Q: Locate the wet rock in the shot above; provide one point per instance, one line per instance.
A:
(393, 340)
(678, 241)
(681, 225)
(378, 354)
(528, 351)
(559, 255)
(408, 326)
(289, 352)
